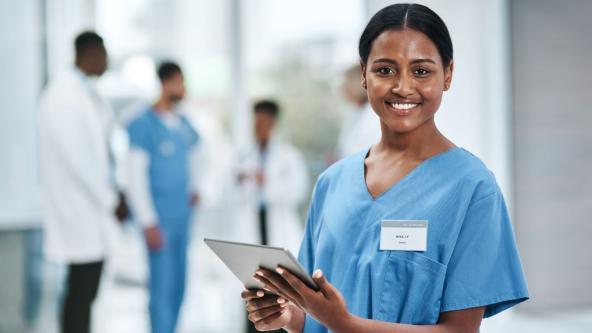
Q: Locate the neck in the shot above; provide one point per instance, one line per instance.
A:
(164, 104)
(421, 143)
(263, 144)
(81, 67)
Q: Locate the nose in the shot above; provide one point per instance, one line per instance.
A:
(402, 85)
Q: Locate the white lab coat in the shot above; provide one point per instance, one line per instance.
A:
(284, 189)
(360, 130)
(78, 196)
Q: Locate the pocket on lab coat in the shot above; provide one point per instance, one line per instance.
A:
(412, 289)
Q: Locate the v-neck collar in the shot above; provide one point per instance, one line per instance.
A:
(157, 119)
(362, 174)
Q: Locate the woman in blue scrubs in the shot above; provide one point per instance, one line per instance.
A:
(413, 234)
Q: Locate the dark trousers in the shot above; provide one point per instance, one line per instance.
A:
(81, 290)
(263, 225)
(264, 241)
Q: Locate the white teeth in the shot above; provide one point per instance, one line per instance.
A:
(403, 106)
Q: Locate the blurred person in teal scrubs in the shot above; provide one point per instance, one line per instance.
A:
(163, 167)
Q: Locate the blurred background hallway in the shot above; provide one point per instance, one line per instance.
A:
(519, 101)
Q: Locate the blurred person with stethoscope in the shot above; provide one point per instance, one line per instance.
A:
(163, 189)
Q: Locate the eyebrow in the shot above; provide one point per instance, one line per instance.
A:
(414, 61)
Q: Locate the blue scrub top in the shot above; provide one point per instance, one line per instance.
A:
(168, 171)
(471, 258)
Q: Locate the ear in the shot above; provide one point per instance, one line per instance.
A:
(448, 75)
(363, 76)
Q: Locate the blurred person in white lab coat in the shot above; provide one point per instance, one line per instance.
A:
(81, 203)
(163, 187)
(273, 182)
(361, 128)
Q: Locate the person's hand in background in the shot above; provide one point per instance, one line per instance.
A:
(122, 210)
(154, 237)
(260, 177)
(195, 200)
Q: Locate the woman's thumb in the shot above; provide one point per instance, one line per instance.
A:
(324, 285)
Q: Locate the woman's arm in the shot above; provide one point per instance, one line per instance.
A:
(329, 308)
(296, 322)
(467, 320)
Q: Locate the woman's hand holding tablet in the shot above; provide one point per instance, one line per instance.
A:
(326, 305)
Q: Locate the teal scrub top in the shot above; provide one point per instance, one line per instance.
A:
(471, 258)
(168, 171)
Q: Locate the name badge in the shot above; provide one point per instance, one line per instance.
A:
(403, 235)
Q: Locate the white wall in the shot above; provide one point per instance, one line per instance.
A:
(553, 152)
(20, 83)
(22, 37)
(65, 20)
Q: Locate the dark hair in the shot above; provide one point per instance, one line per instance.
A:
(267, 106)
(86, 40)
(168, 69)
(413, 16)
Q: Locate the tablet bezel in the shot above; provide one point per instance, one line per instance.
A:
(277, 255)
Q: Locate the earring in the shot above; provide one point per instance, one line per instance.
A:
(364, 84)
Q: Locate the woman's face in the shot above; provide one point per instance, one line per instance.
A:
(405, 79)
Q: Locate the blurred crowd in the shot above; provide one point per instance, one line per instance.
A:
(152, 169)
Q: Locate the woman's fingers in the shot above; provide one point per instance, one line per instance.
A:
(268, 285)
(326, 288)
(258, 304)
(263, 313)
(282, 298)
(266, 312)
(295, 283)
(278, 285)
(268, 323)
(252, 294)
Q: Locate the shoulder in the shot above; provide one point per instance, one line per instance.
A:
(470, 173)
(189, 126)
(141, 120)
(344, 170)
(139, 127)
(286, 149)
(185, 120)
(62, 92)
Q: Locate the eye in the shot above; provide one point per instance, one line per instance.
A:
(385, 71)
(421, 72)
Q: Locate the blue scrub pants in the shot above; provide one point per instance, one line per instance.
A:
(168, 266)
(33, 241)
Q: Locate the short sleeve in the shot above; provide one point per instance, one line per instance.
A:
(306, 253)
(192, 134)
(306, 256)
(139, 135)
(484, 268)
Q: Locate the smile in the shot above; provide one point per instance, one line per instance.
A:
(402, 108)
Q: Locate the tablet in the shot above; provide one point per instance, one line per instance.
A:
(244, 259)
